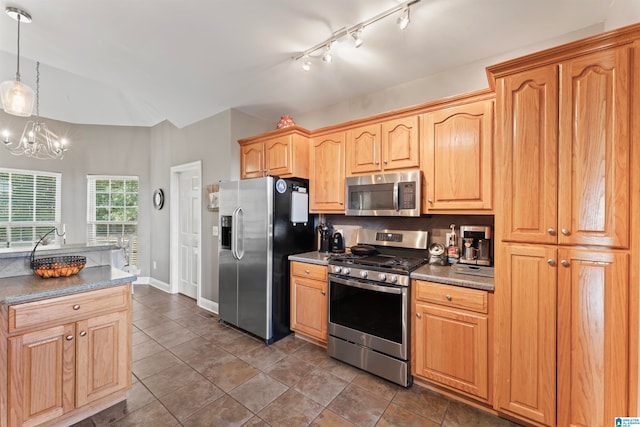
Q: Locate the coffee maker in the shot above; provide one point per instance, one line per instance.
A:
(476, 245)
(325, 237)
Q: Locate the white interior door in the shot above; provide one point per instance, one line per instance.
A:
(188, 239)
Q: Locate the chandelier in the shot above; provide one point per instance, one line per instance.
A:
(37, 140)
(17, 97)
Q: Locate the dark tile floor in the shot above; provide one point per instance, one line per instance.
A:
(191, 370)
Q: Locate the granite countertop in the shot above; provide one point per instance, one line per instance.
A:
(30, 287)
(315, 257)
(446, 275)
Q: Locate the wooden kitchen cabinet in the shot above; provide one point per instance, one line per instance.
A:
(64, 363)
(593, 336)
(283, 153)
(390, 145)
(457, 157)
(309, 301)
(565, 156)
(326, 173)
(451, 338)
(566, 249)
(526, 332)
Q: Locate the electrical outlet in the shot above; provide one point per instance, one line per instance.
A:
(214, 231)
(447, 239)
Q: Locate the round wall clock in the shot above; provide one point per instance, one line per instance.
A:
(158, 199)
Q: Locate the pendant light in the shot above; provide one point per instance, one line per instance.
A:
(17, 98)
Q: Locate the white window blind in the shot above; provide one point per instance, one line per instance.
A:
(112, 213)
(29, 206)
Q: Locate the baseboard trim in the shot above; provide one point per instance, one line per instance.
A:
(160, 285)
(208, 305)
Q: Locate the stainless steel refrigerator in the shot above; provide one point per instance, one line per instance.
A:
(262, 222)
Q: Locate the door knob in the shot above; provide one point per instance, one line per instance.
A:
(551, 231)
(419, 315)
(565, 232)
(448, 297)
(69, 337)
(430, 201)
(76, 307)
(564, 263)
(323, 292)
(83, 333)
(551, 262)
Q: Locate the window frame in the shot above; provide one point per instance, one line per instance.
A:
(130, 245)
(34, 223)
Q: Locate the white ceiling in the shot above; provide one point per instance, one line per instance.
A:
(139, 62)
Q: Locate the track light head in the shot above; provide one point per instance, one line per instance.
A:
(357, 40)
(404, 19)
(306, 63)
(326, 56)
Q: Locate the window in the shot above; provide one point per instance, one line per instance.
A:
(29, 206)
(112, 213)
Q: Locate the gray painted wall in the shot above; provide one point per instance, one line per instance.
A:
(214, 141)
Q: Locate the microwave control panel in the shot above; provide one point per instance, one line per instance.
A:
(407, 195)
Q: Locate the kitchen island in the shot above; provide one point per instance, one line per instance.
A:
(65, 343)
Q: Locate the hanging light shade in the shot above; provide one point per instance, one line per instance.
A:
(17, 98)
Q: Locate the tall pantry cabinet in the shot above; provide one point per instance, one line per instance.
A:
(567, 232)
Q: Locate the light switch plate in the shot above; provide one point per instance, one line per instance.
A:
(214, 231)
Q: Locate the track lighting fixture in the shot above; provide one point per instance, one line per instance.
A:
(404, 20)
(306, 63)
(355, 31)
(326, 56)
(357, 40)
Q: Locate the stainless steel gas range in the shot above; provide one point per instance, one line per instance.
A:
(369, 302)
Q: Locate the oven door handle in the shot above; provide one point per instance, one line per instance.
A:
(371, 287)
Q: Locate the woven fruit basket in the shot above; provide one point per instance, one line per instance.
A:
(57, 266)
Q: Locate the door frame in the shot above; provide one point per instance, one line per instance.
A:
(174, 226)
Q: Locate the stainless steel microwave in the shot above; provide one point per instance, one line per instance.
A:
(386, 194)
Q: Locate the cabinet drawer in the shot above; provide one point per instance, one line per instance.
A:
(452, 296)
(67, 308)
(312, 271)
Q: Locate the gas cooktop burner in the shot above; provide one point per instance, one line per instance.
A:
(380, 261)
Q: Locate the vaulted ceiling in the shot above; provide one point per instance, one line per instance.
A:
(139, 62)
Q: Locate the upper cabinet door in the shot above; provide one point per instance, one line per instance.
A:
(458, 157)
(326, 180)
(594, 174)
(252, 160)
(400, 144)
(278, 153)
(364, 147)
(526, 155)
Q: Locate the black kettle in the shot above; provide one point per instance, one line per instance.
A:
(337, 243)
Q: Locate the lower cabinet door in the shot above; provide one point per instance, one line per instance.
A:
(309, 307)
(451, 348)
(593, 337)
(102, 356)
(41, 375)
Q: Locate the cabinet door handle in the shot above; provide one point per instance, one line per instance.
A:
(376, 162)
(564, 263)
(76, 307)
(323, 292)
(385, 162)
(448, 297)
(69, 337)
(565, 231)
(551, 261)
(307, 271)
(419, 315)
(430, 201)
(83, 333)
(551, 231)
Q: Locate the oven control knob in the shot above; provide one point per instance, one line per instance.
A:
(337, 269)
(346, 270)
(393, 279)
(363, 274)
(382, 277)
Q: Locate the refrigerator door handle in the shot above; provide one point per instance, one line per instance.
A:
(234, 233)
(238, 241)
